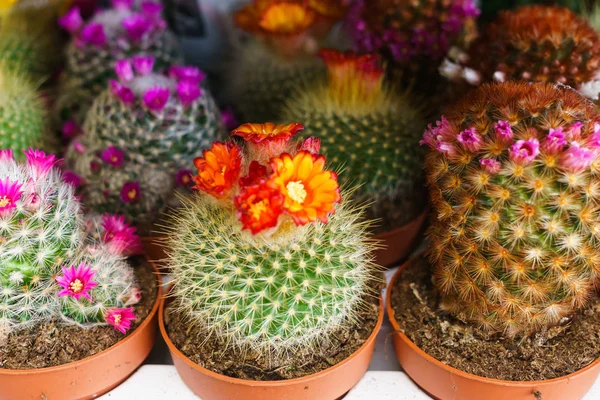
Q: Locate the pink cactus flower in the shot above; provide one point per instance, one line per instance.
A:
(94, 34)
(524, 151)
(130, 192)
(151, 9)
(71, 21)
(577, 158)
(113, 156)
(136, 26)
(503, 131)
(70, 129)
(6, 155)
(156, 98)
(143, 65)
(574, 131)
(122, 4)
(10, 193)
(446, 148)
(72, 178)
(120, 236)
(134, 297)
(184, 177)
(311, 144)
(78, 147)
(124, 70)
(39, 162)
(122, 92)
(470, 139)
(77, 282)
(228, 118)
(120, 318)
(184, 73)
(554, 142)
(490, 165)
(188, 92)
(442, 131)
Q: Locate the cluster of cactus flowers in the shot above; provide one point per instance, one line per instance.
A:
(123, 31)
(265, 255)
(140, 136)
(533, 43)
(287, 36)
(51, 267)
(513, 176)
(368, 131)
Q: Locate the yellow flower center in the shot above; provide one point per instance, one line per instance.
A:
(114, 159)
(296, 191)
(257, 209)
(117, 318)
(76, 286)
(132, 194)
(4, 201)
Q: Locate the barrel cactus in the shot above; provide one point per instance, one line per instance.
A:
(369, 132)
(120, 32)
(536, 44)
(266, 256)
(50, 268)
(512, 173)
(140, 136)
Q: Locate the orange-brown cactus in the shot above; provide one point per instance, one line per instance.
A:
(513, 176)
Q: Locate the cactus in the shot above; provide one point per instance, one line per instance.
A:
(261, 260)
(22, 113)
(111, 35)
(280, 55)
(491, 7)
(139, 135)
(43, 234)
(369, 132)
(513, 182)
(536, 44)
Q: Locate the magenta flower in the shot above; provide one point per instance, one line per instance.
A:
(124, 70)
(524, 151)
(6, 155)
(228, 118)
(490, 165)
(70, 129)
(134, 296)
(577, 158)
(503, 131)
(95, 167)
(72, 178)
(156, 98)
(122, 4)
(311, 144)
(446, 148)
(470, 139)
(77, 282)
(10, 193)
(120, 236)
(442, 131)
(121, 91)
(188, 92)
(113, 156)
(183, 73)
(554, 142)
(130, 192)
(136, 26)
(143, 65)
(120, 318)
(152, 9)
(574, 131)
(71, 21)
(39, 162)
(184, 177)
(94, 34)
(78, 147)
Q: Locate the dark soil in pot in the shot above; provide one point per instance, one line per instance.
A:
(559, 351)
(54, 343)
(215, 355)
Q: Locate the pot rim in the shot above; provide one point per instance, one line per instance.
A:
(455, 371)
(396, 231)
(132, 336)
(245, 382)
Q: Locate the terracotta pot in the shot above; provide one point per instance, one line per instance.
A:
(328, 384)
(444, 382)
(399, 243)
(87, 378)
(154, 249)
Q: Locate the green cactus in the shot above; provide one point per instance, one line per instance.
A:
(368, 132)
(513, 184)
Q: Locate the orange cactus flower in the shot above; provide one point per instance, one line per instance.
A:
(257, 133)
(310, 192)
(286, 18)
(218, 169)
(259, 207)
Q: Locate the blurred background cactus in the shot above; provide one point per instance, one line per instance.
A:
(490, 7)
(258, 256)
(512, 173)
(43, 232)
(139, 138)
(369, 133)
(122, 31)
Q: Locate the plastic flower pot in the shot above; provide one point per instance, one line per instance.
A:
(444, 382)
(90, 377)
(399, 243)
(331, 383)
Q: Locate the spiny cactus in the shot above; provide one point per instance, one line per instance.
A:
(139, 135)
(491, 7)
(536, 44)
(280, 55)
(513, 176)
(258, 256)
(42, 230)
(111, 35)
(369, 132)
